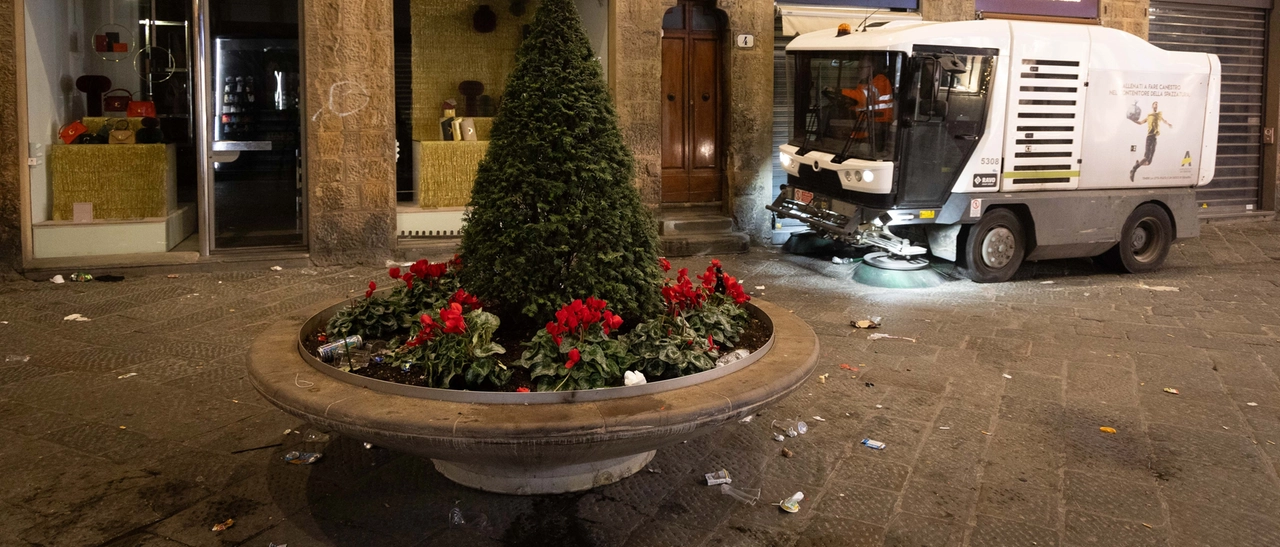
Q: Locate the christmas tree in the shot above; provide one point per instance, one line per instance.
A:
(554, 215)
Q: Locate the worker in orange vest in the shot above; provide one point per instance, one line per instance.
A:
(874, 100)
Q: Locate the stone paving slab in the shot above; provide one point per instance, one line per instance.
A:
(138, 428)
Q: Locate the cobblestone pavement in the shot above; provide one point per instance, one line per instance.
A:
(140, 428)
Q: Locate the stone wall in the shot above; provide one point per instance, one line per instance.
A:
(350, 133)
(1127, 15)
(10, 191)
(637, 65)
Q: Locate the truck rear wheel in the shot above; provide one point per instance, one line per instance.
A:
(994, 248)
(1144, 241)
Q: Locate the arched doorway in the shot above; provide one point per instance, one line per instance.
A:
(692, 165)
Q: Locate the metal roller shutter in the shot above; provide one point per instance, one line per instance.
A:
(783, 103)
(1239, 37)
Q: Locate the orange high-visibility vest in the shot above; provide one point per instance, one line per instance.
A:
(875, 99)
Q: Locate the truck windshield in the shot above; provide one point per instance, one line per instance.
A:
(846, 102)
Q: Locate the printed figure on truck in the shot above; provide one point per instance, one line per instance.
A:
(988, 143)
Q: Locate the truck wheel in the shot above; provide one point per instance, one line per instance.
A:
(994, 247)
(1144, 241)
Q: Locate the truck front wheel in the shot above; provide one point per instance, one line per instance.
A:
(1144, 241)
(994, 247)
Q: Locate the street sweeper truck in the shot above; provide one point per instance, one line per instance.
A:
(991, 142)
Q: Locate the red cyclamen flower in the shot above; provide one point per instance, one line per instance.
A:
(372, 287)
(666, 264)
(451, 316)
(522, 390)
(394, 272)
(574, 357)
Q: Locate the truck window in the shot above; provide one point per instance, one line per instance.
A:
(946, 114)
(847, 102)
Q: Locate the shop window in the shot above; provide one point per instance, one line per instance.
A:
(451, 72)
(114, 73)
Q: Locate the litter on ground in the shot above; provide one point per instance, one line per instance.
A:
(1106, 429)
(792, 504)
(302, 458)
(1158, 288)
(224, 525)
(869, 323)
(76, 317)
(879, 336)
(1007, 376)
(276, 268)
(1171, 390)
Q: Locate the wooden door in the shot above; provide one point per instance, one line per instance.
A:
(692, 170)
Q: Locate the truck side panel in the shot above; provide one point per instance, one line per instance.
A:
(1145, 124)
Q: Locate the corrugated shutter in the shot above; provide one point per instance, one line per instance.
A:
(783, 103)
(1239, 37)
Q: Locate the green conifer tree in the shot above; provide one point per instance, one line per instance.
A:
(554, 214)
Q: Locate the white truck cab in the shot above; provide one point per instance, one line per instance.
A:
(990, 142)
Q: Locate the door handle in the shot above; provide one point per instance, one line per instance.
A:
(671, 97)
(967, 137)
(706, 97)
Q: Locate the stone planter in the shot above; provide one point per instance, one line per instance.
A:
(528, 443)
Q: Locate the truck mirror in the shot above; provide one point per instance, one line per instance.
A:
(952, 65)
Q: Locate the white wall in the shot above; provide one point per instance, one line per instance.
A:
(51, 95)
(595, 18)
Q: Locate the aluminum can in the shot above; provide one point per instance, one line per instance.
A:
(332, 350)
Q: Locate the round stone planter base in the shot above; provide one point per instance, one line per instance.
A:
(543, 480)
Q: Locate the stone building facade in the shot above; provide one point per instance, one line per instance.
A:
(351, 142)
(637, 68)
(349, 102)
(10, 143)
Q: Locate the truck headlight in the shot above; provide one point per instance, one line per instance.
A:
(786, 161)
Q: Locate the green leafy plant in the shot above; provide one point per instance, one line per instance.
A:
(713, 308)
(575, 351)
(554, 214)
(425, 287)
(373, 317)
(700, 319)
(667, 347)
(449, 347)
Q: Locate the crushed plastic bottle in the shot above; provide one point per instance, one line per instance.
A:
(455, 517)
(730, 358)
(748, 496)
(317, 437)
(791, 427)
(17, 358)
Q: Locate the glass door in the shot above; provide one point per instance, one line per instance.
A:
(252, 126)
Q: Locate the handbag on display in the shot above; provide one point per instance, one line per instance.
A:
(71, 131)
(150, 132)
(122, 134)
(114, 102)
(141, 109)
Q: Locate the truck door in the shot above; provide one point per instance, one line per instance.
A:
(1046, 107)
(945, 114)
